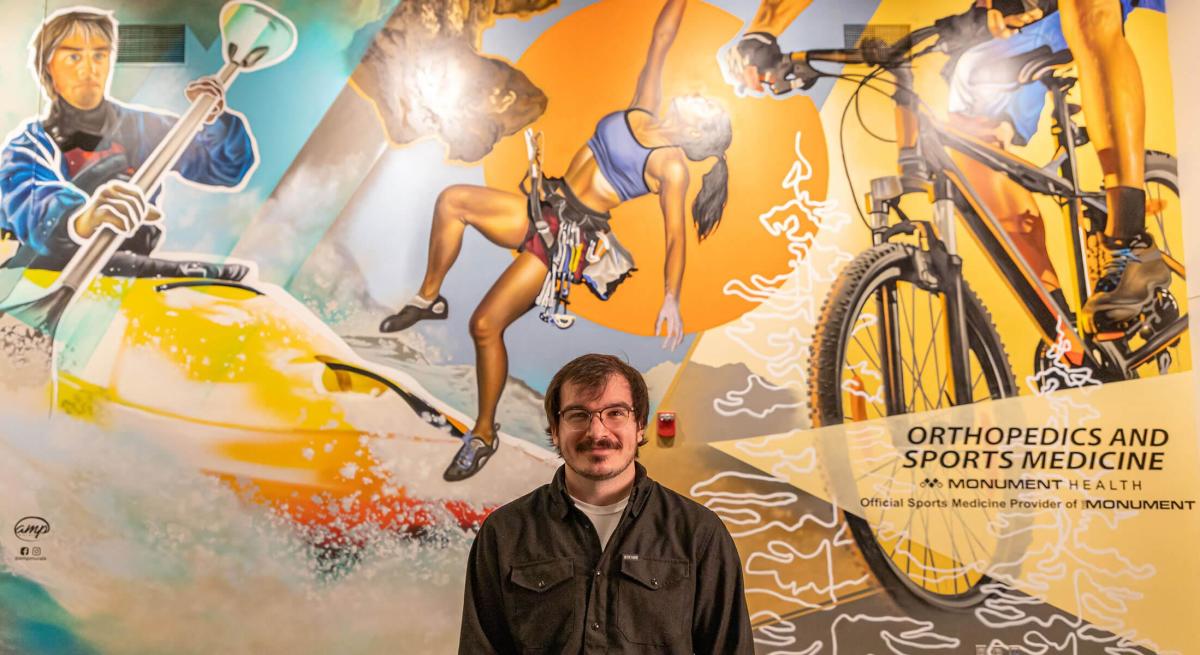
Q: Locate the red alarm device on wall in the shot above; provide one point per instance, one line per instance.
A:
(666, 425)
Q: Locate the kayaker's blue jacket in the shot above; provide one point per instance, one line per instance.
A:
(38, 191)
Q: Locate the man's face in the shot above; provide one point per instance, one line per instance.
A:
(80, 67)
(603, 448)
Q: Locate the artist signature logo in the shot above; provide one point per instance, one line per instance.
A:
(31, 528)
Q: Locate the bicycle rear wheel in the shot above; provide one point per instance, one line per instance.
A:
(1164, 216)
(847, 383)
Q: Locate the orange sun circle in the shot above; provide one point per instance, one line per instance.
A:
(588, 64)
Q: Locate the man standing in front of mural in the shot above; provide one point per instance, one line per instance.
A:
(1114, 105)
(603, 559)
(65, 175)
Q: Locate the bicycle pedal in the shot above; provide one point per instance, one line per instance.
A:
(1116, 330)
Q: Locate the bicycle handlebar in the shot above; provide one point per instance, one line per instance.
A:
(798, 73)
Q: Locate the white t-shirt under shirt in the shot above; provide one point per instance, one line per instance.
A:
(603, 517)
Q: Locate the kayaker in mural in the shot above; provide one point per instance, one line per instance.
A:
(1113, 103)
(65, 174)
(639, 150)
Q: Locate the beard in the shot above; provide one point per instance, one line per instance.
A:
(581, 451)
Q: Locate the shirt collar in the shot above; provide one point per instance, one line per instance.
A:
(71, 127)
(642, 487)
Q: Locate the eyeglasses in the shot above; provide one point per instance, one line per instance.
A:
(614, 417)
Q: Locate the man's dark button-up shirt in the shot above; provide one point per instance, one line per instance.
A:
(670, 580)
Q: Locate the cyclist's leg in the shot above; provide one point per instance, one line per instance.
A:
(501, 216)
(511, 296)
(1114, 105)
(1012, 203)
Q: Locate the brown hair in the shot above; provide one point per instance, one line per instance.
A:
(58, 27)
(590, 372)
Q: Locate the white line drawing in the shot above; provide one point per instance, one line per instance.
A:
(776, 335)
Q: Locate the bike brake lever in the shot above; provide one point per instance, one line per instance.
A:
(794, 74)
(904, 227)
(782, 87)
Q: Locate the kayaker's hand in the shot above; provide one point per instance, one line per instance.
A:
(207, 86)
(117, 205)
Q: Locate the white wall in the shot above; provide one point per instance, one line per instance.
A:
(1183, 19)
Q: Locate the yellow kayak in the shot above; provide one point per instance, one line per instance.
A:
(242, 380)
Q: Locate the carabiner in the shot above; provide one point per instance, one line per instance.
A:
(593, 255)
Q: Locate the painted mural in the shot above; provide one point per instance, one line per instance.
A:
(284, 283)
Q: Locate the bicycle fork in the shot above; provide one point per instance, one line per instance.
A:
(884, 191)
(957, 340)
(946, 274)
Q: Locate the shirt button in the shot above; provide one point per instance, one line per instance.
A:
(541, 583)
(597, 573)
(595, 626)
(653, 582)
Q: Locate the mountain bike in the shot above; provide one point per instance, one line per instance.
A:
(901, 330)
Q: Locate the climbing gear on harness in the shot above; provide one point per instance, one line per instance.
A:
(575, 243)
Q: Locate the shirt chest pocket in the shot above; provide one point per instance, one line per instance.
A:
(654, 600)
(542, 602)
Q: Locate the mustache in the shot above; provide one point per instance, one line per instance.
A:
(593, 444)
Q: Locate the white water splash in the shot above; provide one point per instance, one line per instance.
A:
(149, 555)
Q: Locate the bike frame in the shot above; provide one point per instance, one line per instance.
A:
(931, 142)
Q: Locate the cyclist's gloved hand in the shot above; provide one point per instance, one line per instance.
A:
(795, 74)
(756, 58)
(963, 30)
(1005, 26)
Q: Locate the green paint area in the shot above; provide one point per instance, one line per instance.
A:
(32, 623)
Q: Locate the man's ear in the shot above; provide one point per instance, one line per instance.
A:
(641, 435)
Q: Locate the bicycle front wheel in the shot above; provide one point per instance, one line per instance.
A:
(848, 383)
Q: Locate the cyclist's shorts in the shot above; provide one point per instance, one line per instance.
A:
(974, 94)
